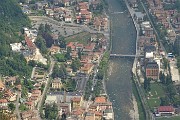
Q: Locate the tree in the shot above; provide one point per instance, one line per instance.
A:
(165, 62)
(68, 53)
(61, 42)
(41, 44)
(147, 84)
(59, 71)
(11, 106)
(79, 54)
(100, 75)
(32, 63)
(51, 111)
(168, 79)
(164, 101)
(162, 77)
(47, 28)
(48, 39)
(22, 107)
(75, 64)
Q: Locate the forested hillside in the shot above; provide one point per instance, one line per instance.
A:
(11, 21)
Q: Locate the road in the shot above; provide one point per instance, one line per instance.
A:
(32, 74)
(158, 38)
(45, 88)
(63, 24)
(17, 106)
(81, 82)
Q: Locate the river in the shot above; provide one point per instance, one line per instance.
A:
(118, 85)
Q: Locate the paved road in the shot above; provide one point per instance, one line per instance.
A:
(17, 106)
(32, 74)
(81, 83)
(158, 38)
(45, 88)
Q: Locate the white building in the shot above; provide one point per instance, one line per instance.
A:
(16, 47)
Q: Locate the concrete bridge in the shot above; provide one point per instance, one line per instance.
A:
(124, 55)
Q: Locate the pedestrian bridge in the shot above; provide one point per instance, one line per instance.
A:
(124, 55)
(117, 12)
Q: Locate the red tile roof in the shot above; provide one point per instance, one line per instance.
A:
(100, 99)
(75, 99)
(3, 101)
(165, 109)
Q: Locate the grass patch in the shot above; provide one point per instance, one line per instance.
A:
(82, 38)
(153, 96)
(170, 118)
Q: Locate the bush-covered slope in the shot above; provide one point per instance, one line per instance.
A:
(11, 21)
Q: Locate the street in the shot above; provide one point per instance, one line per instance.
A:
(45, 88)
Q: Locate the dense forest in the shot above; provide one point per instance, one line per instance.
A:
(11, 22)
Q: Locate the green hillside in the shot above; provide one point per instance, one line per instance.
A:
(11, 21)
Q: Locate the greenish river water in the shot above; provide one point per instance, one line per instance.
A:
(118, 85)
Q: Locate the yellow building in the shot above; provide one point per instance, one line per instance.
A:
(76, 102)
(56, 83)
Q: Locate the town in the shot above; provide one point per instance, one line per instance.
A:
(65, 52)
(157, 65)
(65, 47)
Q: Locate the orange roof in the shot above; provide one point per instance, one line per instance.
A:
(75, 99)
(87, 66)
(3, 101)
(79, 111)
(84, 12)
(100, 99)
(71, 45)
(29, 42)
(1, 84)
(82, 3)
(29, 103)
(97, 113)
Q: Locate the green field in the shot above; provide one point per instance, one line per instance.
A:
(170, 118)
(82, 37)
(153, 96)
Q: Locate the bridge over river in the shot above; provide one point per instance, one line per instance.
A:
(124, 55)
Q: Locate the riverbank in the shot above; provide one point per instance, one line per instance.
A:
(135, 112)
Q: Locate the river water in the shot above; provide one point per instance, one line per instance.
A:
(118, 85)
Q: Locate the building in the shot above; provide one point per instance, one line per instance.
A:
(59, 97)
(152, 70)
(10, 80)
(3, 103)
(2, 87)
(57, 84)
(29, 105)
(16, 47)
(54, 49)
(165, 111)
(102, 103)
(100, 23)
(27, 115)
(87, 68)
(76, 102)
(67, 19)
(139, 16)
(108, 114)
